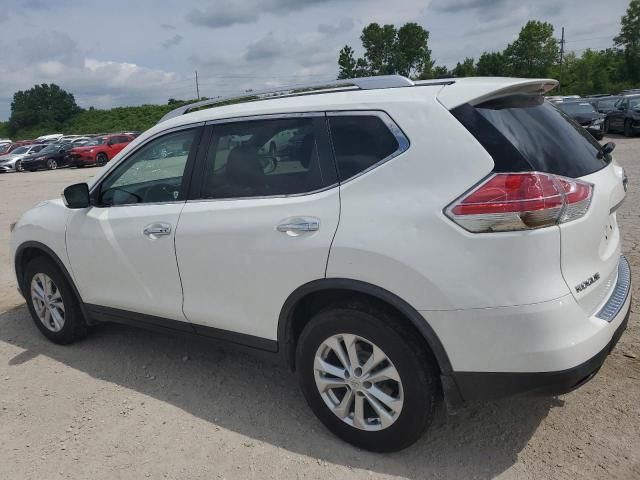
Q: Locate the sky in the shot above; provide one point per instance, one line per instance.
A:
(116, 52)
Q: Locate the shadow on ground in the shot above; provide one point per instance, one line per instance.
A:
(260, 399)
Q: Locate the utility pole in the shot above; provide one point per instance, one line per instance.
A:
(561, 61)
(198, 86)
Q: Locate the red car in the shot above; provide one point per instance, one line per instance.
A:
(99, 150)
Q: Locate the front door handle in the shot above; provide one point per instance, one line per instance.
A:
(299, 225)
(156, 230)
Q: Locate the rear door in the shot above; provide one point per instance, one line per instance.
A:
(527, 134)
(259, 225)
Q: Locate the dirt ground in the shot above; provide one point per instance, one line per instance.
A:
(127, 403)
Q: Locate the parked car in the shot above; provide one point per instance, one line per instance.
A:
(387, 267)
(51, 157)
(54, 137)
(10, 161)
(586, 115)
(625, 117)
(605, 104)
(98, 150)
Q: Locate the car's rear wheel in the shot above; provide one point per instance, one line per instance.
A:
(367, 377)
(101, 159)
(52, 164)
(52, 302)
(628, 131)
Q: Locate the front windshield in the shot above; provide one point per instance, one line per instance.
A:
(634, 102)
(50, 148)
(20, 150)
(4, 148)
(577, 108)
(95, 141)
(607, 104)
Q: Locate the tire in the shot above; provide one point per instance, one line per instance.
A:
(19, 167)
(73, 326)
(418, 389)
(272, 149)
(628, 132)
(607, 126)
(101, 159)
(52, 164)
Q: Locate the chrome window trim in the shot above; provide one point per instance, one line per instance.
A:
(114, 166)
(396, 131)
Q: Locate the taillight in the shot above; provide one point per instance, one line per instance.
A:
(521, 201)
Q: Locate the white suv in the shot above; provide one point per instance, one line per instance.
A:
(452, 239)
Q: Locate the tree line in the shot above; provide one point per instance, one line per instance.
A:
(535, 53)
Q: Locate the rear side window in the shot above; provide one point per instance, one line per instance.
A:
(257, 158)
(525, 133)
(359, 142)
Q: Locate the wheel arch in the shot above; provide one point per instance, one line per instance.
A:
(29, 250)
(311, 297)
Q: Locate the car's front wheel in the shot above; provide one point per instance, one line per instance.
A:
(367, 377)
(101, 159)
(52, 164)
(19, 167)
(628, 131)
(52, 302)
(607, 126)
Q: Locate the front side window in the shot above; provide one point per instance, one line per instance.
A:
(258, 158)
(360, 142)
(152, 173)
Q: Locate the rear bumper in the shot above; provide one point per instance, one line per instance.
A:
(488, 386)
(548, 348)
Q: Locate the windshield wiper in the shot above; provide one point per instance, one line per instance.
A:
(605, 151)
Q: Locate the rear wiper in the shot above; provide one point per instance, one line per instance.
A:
(606, 150)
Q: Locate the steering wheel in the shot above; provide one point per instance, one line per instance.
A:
(160, 193)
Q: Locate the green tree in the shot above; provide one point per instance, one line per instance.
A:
(388, 50)
(465, 69)
(347, 63)
(491, 64)
(629, 40)
(534, 52)
(412, 55)
(43, 105)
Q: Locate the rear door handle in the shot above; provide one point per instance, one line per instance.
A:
(299, 225)
(156, 230)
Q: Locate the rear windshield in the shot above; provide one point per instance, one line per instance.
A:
(525, 133)
(575, 108)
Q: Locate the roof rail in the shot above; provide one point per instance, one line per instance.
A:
(362, 83)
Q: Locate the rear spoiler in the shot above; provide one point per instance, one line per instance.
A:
(479, 90)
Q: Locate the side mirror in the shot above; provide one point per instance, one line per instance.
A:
(76, 196)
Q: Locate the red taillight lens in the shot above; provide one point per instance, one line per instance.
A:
(521, 201)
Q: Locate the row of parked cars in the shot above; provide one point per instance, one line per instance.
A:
(55, 151)
(602, 114)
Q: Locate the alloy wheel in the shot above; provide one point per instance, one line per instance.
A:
(52, 164)
(47, 302)
(358, 382)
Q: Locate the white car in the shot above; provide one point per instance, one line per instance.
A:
(11, 161)
(451, 238)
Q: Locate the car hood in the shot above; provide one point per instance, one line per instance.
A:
(35, 156)
(583, 118)
(9, 156)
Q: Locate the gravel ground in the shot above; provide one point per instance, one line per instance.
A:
(127, 403)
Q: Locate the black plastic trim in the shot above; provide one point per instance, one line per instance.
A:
(151, 322)
(285, 321)
(490, 386)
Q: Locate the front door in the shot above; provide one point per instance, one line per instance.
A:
(122, 249)
(260, 225)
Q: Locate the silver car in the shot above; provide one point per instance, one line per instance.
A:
(12, 161)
